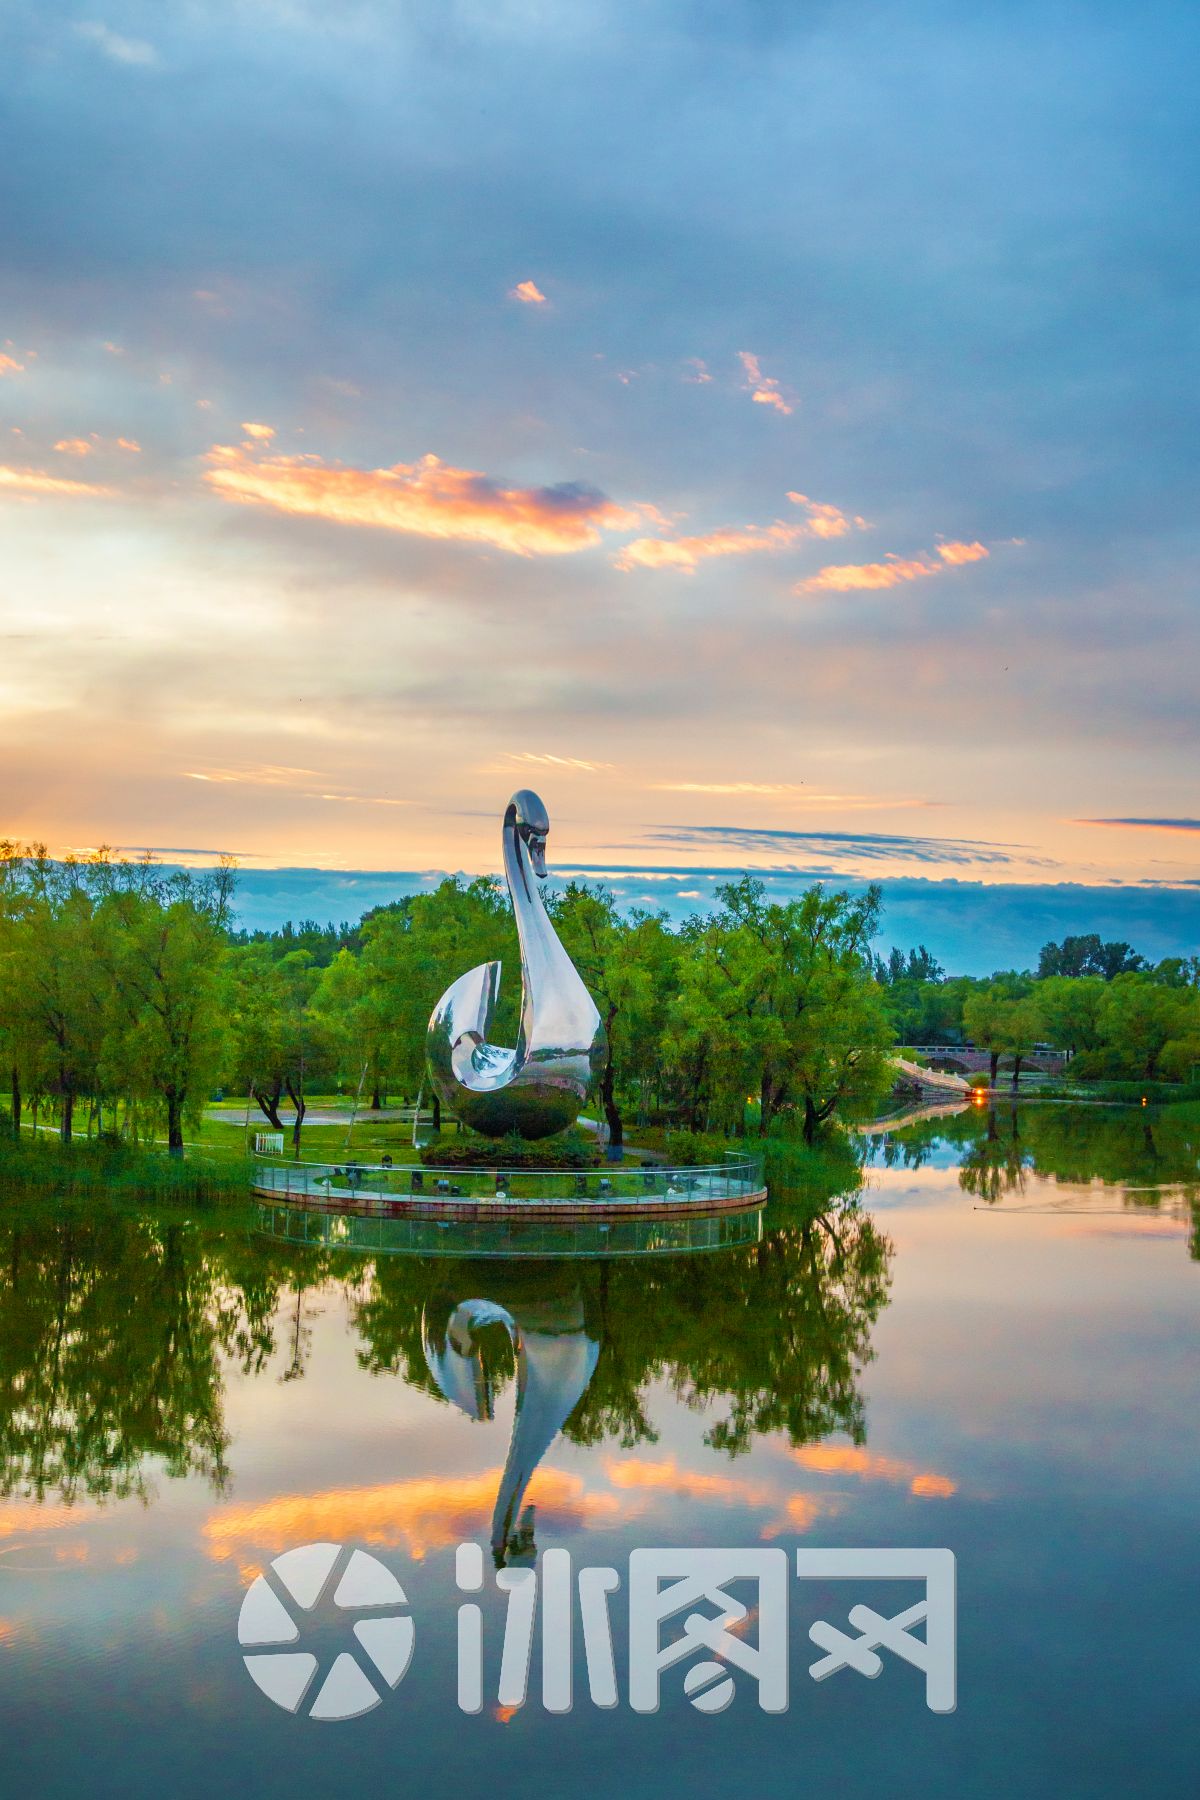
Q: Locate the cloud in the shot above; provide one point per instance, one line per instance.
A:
(130, 444)
(428, 499)
(842, 578)
(866, 846)
(37, 481)
(852, 1459)
(1145, 824)
(420, 1513)
(687, 552)
(74, 447)
(261, 433)
(954, 553)
(528, 292)
(10, 366)
(696, 371)
(763, 389)
(822, 520)
(547, 759)
(134, 52)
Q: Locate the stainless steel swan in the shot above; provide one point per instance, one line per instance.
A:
(537, 1087)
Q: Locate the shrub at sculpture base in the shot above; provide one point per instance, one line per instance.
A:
(570, 1150)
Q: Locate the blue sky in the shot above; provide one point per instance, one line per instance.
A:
(767, 429)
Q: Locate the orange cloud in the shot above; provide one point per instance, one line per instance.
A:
(261, 433)
(428, 498)
(852, 1459)
(10, 366)
(130, 444)
(666, 1476)
(764, 390)
(37, 481)
(842, 578)
(528, 292)
(24, 1515)
(74, 447)
(687, 552)
(961, 553)
(424, 1514)
(824, 520)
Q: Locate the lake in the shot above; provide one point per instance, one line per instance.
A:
(982, 1340)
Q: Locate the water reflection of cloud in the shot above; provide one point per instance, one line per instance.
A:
(423, 1514)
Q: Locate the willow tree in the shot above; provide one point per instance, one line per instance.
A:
(783, 998)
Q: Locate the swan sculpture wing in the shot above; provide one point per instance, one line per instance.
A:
(537, 1087)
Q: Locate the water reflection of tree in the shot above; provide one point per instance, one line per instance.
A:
(1143, 1152)
(116, 1333)
(112, 1335)
(778, 1332)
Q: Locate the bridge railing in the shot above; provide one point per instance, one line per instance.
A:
(738, 1177)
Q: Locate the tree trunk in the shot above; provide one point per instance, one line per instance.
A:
(174, 1123)
(376, 1096)
(612, 1114)
(1018, 1059)
(268, 1105)
(437, 1114)
(296, 1096)
(995, 1059)
(810, 1119)
(16, 1102)
(68, 1117)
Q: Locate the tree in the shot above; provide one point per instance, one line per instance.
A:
(282, 1041)
(919, 965)
(1087, 955)
(1071, 1009)
(626, 966)
(164, 938)
(994, 1022)
(786, 998)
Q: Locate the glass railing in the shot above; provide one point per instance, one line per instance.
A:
(376, 1235)
(360, 1186)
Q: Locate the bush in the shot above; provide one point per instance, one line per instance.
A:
(569, 1150)
(692, 1148)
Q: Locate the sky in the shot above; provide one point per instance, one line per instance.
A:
(766, 430)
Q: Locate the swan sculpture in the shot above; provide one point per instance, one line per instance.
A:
(538, 1087)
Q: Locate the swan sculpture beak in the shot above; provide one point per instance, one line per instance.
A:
(536, 846)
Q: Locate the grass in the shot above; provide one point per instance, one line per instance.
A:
(103, 1169)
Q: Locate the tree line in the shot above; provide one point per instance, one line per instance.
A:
(126, 992)
(127, 997)
(1116, 1015)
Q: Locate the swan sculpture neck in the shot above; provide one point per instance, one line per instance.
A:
(537, 1087)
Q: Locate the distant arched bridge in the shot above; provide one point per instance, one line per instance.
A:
(965, 1059)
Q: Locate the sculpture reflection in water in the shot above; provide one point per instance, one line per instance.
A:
(538, 1087)
(101, 1399)
(556, 1359)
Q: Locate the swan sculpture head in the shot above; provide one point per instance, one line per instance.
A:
(537, 1087)
(527, 817)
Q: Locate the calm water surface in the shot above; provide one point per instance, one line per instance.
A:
(992, 1346)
